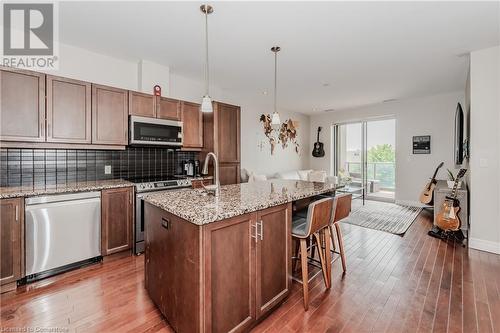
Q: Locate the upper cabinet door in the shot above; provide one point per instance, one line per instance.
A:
(109, 116)
(68, 110)
(229, 173)
(141, 104)
(22, 106)
(192, 125)
(228, 132)
(167, 108)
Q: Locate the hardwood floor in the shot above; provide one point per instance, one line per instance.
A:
(413, 283)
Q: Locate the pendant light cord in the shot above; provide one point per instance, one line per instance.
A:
(275, 79)
(207, 77)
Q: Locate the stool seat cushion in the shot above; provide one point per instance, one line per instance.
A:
(299, 225)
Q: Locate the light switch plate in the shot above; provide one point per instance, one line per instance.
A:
(107, 169)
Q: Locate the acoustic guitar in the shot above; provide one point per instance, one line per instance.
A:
(427, 195)
(447, 219)
(318, 150)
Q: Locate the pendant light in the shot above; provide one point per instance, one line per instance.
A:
(206, 104)
(275, 120)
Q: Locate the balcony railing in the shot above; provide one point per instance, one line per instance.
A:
(383, 172)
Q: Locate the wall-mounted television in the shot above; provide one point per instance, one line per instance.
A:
(459, 135)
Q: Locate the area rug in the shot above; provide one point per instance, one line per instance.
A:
(383, 216)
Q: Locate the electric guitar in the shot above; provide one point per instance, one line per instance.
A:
(426, 197)
(447, 219)
(318, 150)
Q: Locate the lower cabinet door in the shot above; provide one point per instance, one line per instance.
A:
(12, 236)
(229, 275)
(273, 257)
(116, 220)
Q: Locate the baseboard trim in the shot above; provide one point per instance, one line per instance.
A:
(484, 245)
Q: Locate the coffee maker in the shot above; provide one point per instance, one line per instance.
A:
(191, 168)
(197, 168)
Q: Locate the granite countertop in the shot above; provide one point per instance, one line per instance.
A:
(15, 191)
(195, 206)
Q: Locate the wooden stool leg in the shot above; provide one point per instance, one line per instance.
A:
(305, 275)
(341, 245)
(328, 255)
(322, 258)
(296, 255)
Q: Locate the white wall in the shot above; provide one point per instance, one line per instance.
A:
(80, 64)
(432, 115)
(253, 157)
(142, 75)
(485, 149)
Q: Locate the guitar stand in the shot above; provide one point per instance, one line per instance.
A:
(456, 236)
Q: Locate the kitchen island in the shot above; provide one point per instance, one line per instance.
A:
(220, 264)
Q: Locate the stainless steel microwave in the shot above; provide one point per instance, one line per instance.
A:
(153, 131)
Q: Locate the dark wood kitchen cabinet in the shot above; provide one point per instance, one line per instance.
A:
(228, 132)
(117, 212)
(229, 274)
(22, 105)
(68, 110)
(273, 257)
(192, 122)
(168, 108)
(229, 173)
(12, 242)
(141, 104)
(109, 116)
(221, 134)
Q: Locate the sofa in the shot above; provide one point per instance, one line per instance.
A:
(306, 175)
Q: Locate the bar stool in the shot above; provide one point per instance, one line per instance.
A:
(342, 209)
(316, 224)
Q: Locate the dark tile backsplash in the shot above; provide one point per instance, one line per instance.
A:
(42, 167)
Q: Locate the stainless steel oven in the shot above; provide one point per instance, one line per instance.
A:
(153, 131)
(143, 189)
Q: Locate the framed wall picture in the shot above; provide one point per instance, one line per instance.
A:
(422, 144)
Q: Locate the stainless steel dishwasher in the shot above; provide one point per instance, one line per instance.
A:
(62, 232)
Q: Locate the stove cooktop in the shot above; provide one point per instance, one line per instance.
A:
(148, 184)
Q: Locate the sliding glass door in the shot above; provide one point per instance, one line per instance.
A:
(364, 157)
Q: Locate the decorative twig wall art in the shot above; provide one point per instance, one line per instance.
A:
(284, 135)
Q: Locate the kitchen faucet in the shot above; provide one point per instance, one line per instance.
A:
(216, 187)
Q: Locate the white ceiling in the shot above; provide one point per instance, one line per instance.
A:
(365, 52)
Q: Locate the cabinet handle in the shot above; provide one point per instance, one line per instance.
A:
(165, 223)
(259, 234)
(48, 130)
(254, 236)
(261, 230)
(17, 213)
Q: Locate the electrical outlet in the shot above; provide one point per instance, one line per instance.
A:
(107, 169)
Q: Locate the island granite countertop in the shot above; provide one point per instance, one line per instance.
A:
(196, 206)
(86, 186)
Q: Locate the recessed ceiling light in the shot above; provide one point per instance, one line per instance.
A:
(326, 84)
(264, 92)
